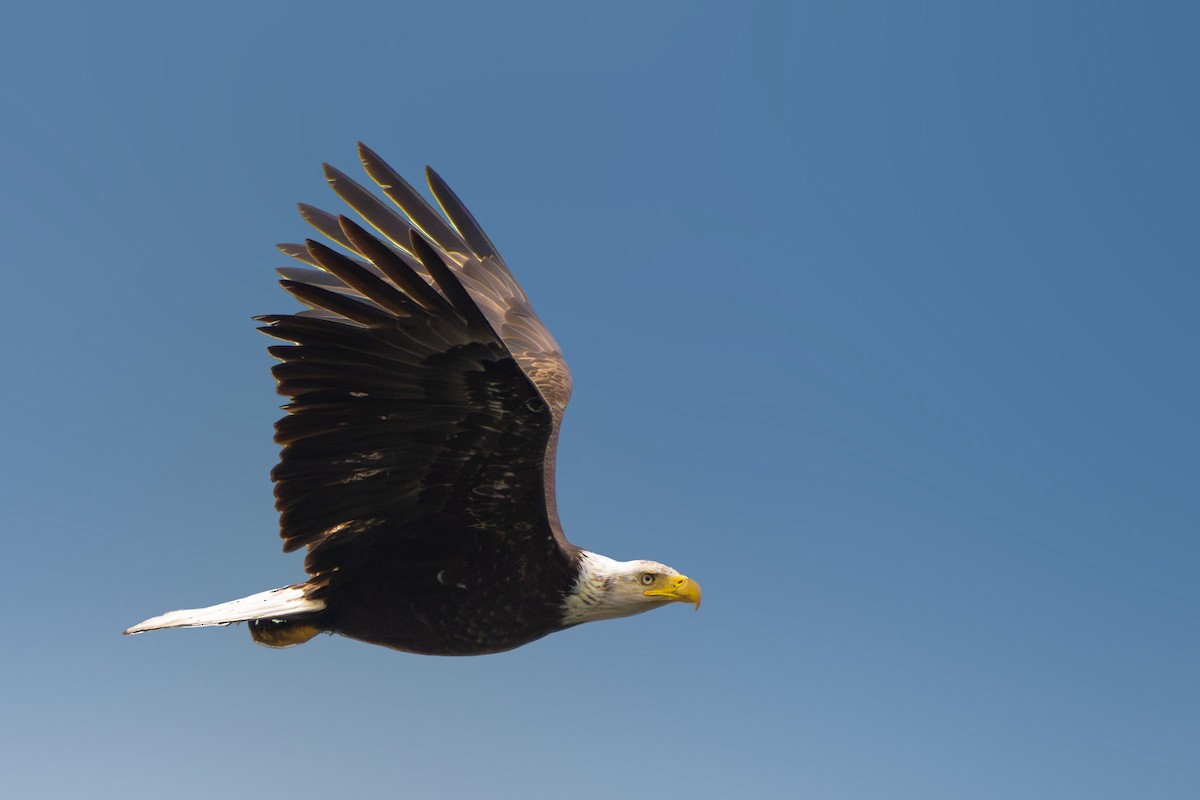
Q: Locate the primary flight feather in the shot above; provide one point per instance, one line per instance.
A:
(418, 447)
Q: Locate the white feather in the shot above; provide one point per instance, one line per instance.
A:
(608, 589)
(289, 601)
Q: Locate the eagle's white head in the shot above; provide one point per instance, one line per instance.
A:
(607, 589)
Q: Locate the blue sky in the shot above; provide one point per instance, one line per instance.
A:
(882, 318)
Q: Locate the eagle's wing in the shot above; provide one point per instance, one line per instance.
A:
(426, 395)
(474, 260)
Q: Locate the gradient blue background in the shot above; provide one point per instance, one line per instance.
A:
(883, 321)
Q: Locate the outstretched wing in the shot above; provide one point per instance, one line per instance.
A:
(426, 395)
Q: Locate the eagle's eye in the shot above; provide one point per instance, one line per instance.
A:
(647, 578)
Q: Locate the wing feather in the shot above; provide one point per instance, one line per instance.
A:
(326, 223)
(460, 217)
(363, 281)
(423, 217)
(400, 266)
(340, 304)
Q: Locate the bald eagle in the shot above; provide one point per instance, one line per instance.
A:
(418, 449)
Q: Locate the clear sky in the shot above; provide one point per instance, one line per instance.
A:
(883, 321)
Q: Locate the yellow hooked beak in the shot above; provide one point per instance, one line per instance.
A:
(679, 589)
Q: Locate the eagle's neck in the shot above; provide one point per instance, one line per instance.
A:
(594, 594)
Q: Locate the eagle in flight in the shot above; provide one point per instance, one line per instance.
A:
(417, 461)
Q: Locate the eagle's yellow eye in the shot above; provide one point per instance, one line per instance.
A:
(647, 578)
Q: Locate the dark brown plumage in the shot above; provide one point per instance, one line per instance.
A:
(418, 447)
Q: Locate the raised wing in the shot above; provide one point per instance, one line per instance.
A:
(474, 260)
(426, 395)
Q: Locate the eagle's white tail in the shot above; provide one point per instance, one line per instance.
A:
(290, 601)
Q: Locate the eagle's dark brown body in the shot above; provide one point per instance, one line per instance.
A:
(475, 608)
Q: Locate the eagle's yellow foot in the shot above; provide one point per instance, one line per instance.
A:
(281, 633)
